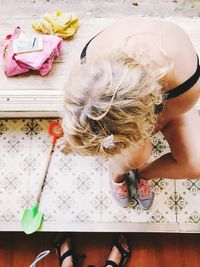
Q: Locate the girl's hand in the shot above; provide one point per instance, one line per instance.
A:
(63, 145)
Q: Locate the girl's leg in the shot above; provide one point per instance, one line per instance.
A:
(183, 136)
(131, 158)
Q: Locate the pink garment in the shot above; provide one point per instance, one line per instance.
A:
(40, 61)
(10, 66)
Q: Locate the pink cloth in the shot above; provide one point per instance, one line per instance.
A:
(40, 61)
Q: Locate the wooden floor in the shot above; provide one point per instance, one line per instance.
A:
(163, 250)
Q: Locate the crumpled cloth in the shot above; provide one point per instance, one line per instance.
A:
(40, 61)
(59, 23)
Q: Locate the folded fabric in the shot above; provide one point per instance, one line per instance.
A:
(10, 66)
(59, 23)
(35, 60)
(40, 61)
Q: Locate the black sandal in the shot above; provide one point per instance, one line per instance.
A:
(124, 255)
(58, 243)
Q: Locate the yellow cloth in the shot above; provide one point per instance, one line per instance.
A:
(59, 23)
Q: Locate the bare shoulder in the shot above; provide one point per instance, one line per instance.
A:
(180, 50)
(176, 40)
(176, 44)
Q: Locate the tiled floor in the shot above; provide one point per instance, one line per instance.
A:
(76, 195)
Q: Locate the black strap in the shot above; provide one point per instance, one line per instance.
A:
(184, 87)
(123, 252)
(65, 255)
(84, 51)
(112, 263)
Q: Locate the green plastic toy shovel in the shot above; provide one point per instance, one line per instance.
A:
(32, 218)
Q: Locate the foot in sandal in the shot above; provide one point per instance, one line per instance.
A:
(64, 251)
(120, 252)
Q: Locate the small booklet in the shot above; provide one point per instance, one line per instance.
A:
(27, 43)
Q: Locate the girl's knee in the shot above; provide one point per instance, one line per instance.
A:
(193, 167)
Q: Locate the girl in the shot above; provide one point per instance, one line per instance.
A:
(136, 77)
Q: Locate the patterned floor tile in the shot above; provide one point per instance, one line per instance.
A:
(186, 201)
(75, 183)
(15, 132)
(77, 188)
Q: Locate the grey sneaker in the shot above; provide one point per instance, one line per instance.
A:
(144, 191)
(120, 192)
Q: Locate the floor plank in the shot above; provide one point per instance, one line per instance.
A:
(25, 248)
(5, 251)
(178, 250)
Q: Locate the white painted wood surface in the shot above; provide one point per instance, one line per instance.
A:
(31, 95)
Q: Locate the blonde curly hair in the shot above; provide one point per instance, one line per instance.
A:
(112, 95)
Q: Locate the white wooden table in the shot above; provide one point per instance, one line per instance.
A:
(31, 95)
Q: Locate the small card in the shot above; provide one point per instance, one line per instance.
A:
(27, 43)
